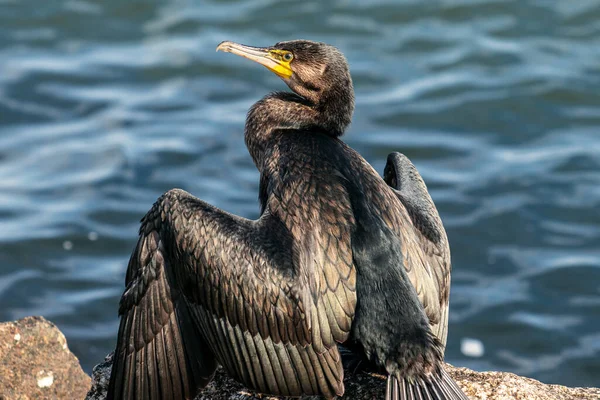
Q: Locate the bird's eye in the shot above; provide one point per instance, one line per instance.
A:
(288, 57)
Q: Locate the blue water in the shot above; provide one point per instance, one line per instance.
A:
(104, 105)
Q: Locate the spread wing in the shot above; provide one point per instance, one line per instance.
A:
(205, 285)
(429, 264)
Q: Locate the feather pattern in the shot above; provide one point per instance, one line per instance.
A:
(428, 251)
(439, 386)
(271, 318)
(160, 353)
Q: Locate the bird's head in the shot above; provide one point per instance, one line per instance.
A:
(316, 71)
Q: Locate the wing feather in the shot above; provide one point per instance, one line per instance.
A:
(156, 336)
(428, 264)
(269, 306)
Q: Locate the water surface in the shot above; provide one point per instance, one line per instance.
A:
(105, 105)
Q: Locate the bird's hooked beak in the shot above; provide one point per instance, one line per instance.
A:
(277, 61)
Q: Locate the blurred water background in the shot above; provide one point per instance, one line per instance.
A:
(105, 105)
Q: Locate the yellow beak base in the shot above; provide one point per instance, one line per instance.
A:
(270, 58)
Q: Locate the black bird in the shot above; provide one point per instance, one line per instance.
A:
(338, 256)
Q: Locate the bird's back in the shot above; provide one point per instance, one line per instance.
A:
(312, 179)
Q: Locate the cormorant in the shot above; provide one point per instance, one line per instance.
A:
(338, 256)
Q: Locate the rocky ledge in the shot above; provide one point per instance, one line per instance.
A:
(35, 362)
(365, 386)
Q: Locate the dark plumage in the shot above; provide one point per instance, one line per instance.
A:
(338, 256)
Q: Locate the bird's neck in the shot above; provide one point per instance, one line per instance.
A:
(285, 110)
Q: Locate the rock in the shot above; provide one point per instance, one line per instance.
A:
(365, 386)
(506, 386)
(100, 379)
(35, 362)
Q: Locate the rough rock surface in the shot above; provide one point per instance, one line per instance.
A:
(365, 386)
(507, 386)
(35, 362)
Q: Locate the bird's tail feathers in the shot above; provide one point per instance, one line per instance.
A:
(440, 387)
